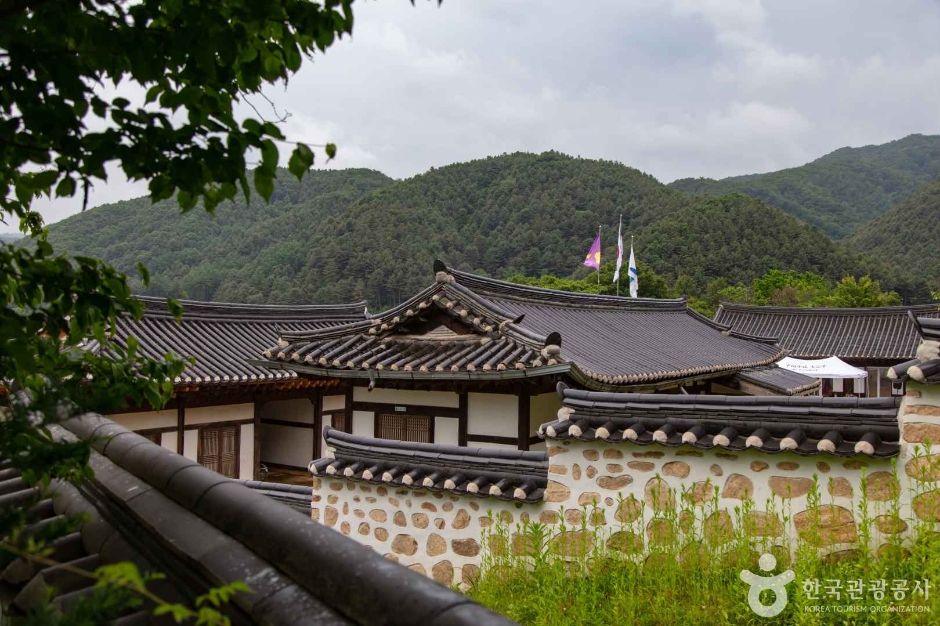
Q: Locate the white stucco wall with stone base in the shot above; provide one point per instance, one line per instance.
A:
(440, 534)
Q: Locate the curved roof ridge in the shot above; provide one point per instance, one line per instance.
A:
(820, 310)
(334, 436)
(234, 310)
(505, 289)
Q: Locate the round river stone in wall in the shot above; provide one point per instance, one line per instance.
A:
(918, 433)
(738, 487)
(833, 524)
(613, 453)
(556, 492)
(882, 486)
(436, 545)
(381, 534)
(924, 468)
(927, 506)
(465, 547)
(840, 487)
(378, 515)
(890, 525)
(399, 519)
(628, 510)
(614, 482)
(758, 466)
(790, 487)
(679, 469)
(576, 471)
(462, 520)
(404, 544)
(443, 572)
(419, 520)
(641, 466)
(591, 455)
(658, 495)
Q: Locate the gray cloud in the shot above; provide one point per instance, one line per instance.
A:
(672, 87)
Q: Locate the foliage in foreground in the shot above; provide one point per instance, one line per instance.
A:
(63, 125)
(682, 565)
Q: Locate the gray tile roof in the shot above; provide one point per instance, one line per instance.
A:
(804, 425)
(925, 366)
(474, 327)
(872, 333)
(779, 380)
(222, 336)
(168, 514)
(504, 474)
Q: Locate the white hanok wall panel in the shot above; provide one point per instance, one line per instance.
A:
(493, 414)
(407, 396)
(145, 420)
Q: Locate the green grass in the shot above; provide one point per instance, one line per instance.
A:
(573, 574)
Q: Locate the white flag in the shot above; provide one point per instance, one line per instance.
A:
(634, 277)
(619, 252)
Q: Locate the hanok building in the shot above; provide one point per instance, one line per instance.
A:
(473, 360)
(874, 339)
(226, 413)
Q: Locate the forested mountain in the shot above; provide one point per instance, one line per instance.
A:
(207, 256)
(908, 235)
(346, 235)
(842, 190)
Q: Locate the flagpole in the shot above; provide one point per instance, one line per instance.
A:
(619, 252)
(599, 260)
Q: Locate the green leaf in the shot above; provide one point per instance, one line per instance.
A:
(175, 307)
(186, 200)
(301, 160)
(44, 180)
(264, 183)
(65, 188)
(331, 150)
(269, 156)
(144, 273)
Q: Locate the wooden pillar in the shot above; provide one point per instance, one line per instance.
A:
(317, 401)
(180, 422)
(524, 410)
(256, 462)
(348, 410)
(462, 418)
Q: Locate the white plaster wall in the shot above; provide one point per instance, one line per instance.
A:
(363, 423)
(285, 445)
(406, 396)
(299, 410)
(492, 414)
(446, 430)
(334, 402)
(222, 413)
(168, 440)
(246, 452)
(145, 419)
(191, 444)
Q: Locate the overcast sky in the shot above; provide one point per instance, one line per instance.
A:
(675, 88)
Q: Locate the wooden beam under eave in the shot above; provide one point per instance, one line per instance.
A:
(462, 418)
(349, 409)
(259, 404)
(180, 423)
(317, 401)
(524, 411)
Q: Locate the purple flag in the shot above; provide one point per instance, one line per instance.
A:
(593, 258)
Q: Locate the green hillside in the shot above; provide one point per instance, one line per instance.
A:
(205, 256)
(842, 190)
(908, 235)
(345, 235)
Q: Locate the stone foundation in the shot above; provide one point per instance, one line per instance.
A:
(440, 534)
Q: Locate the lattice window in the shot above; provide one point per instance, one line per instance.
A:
(218, 449)
(339, 421)
(403, 427)
(152, 435)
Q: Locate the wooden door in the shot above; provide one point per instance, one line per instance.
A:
(218, 449)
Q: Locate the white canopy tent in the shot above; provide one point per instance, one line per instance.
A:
(833, 367)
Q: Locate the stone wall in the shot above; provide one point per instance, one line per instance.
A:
(440, 534)
(920, 450)
(434, 533)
